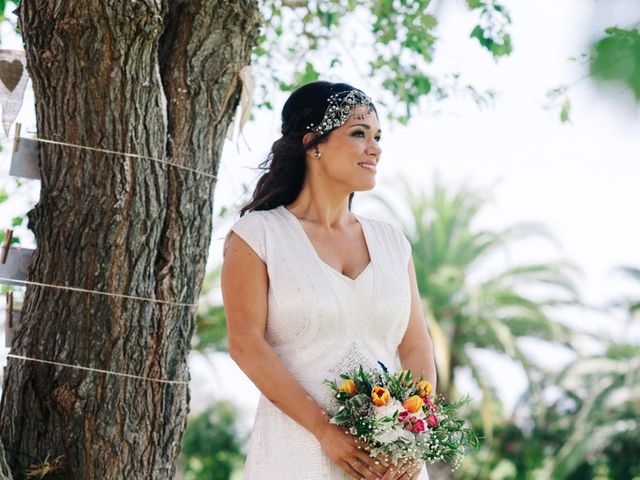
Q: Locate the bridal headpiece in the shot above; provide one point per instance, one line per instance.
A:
(341, 106)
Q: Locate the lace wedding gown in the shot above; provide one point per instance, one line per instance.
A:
(321, 323)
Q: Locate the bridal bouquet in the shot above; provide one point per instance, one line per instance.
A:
(401, 419)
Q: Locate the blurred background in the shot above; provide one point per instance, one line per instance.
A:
(511, 139)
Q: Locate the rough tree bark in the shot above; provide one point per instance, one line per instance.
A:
(157, 78)
(5, 472)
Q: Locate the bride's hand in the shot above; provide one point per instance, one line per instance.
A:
(404, 471)
(349, 453)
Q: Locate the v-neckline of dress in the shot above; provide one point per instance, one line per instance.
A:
(322, 262)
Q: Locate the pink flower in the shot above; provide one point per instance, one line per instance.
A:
(419, 426)
(408, 426)
(430, 406)
(432, 421)
(403, 416)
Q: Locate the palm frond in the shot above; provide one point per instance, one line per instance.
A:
(555, 274)
(587, 439)
(488, 398)
(632, 272)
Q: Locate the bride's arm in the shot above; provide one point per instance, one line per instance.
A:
(245, 285)
(416, 354)
(416, 349)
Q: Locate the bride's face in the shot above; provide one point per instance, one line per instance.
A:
(351, 152)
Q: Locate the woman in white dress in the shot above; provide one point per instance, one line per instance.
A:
(312, 290)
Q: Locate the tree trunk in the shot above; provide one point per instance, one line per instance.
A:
(155, 78)
(5, 472)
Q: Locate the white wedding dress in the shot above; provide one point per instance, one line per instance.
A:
(321, 323)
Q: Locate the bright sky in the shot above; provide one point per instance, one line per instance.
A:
(579, 179)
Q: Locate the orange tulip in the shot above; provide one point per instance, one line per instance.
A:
(348, 386)
(413, 404)
(424, 388)
(380, 396)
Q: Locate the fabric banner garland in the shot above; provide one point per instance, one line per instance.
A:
(13, 81)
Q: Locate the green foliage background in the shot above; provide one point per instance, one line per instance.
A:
(303, 39)
(212, 444)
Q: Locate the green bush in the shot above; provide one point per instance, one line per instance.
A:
(212, 444)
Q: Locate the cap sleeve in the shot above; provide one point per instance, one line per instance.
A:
(251, 228)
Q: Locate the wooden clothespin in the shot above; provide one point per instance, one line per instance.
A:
(9, 311)
(6, 245)
(16, 140)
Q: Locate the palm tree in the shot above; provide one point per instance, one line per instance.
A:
(599, 408)
(631, 305)
(470, 306)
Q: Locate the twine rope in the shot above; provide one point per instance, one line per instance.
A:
(98, 370)
(97, 292)
(115, 152)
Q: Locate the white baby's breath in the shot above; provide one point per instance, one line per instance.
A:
(393, 434)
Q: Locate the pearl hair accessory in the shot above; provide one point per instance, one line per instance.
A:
(341, 106)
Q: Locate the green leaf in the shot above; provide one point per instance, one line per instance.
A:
(259, 51)
(303, 34)
(566, 109)
(478, 33)
(212, 444)
(474, 4)
(615, 59)
(503, 48)
(310, 74)
(211, 330)
(330, 19)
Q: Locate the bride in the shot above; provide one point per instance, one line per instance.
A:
(312, 290)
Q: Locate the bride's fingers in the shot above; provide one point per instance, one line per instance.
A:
(349, 470)
(361, 470)
(409, 476)
(361, 445)
(416, 474)
(373, 464)
(391, 472)
(378, 463)
(396, 471)
(402, 471)
(384, 460)
(410, 471)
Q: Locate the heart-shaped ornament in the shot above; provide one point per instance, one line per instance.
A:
(11, 73)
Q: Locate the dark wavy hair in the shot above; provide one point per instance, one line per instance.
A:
(285, 166)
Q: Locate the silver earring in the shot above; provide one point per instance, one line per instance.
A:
(317, 153)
